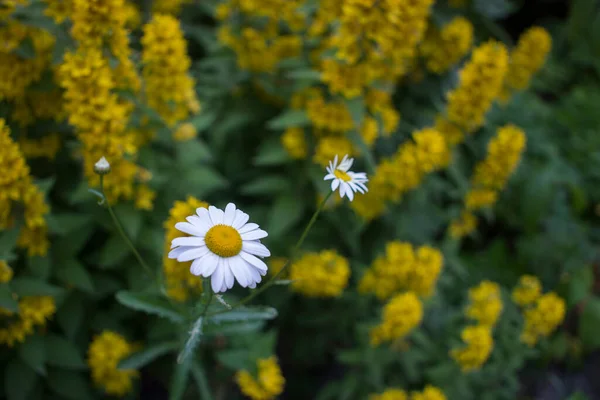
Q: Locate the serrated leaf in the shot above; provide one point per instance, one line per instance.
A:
(290, 118)
(33, 353)
(266, 185)
(147, 355)
(285, 212)
(19, 380)
(250, 313)
(193, 340)
(7, 300)
(179, 380)
(34, 287)
(69, 384)
(63, 353)
(73, 273)
(151, 304)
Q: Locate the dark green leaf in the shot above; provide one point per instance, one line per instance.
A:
(284, 214)
(151, 304)
(39, 267)
(131, 219)
(203, 121)
(73, 273)
(305, 75)
(201, 181)
(19, 380)
(589, 324)
(199, 375)
(63, 353)
(7, 301)
(34, 287)
(69, 384)
(71, 313)
(8, 241)
(179, 380)
(235, 359)
(113, 252)
(193, 340)
(271, 153)
(61, 224)
(290, 118)
(250, 313)
(235, 328)
(147, 355)
(26, 49)
(33, 353)
(266, 185)
(580, 285)
(193, 152)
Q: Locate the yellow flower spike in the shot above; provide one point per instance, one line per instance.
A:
(390, 394)
(543, 318)
(527, 291)
(6, 272)
(323, 274)
(401, 315)
(104, 354)
(485, 303)
(478, 347)
(443, 49)
(294, 142)
(268, 384)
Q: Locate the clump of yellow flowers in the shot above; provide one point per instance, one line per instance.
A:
(491, 175)
(322, 274)
(104, 354)
(180, 284)
(17, 188)
(542, 312)
(268, 383)
(403, 268)
(445, 47)
(429, 393)
(485, 304)
(401, 315)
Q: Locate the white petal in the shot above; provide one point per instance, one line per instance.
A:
(217, 280)
(210, 262)
(196, 268)
(256, 248)
(328, 177)
(176, 252)
(248, 227)
(193, 253)
(203, 214)
(334, 184)
(238, 267)
(252, 286)
(228, 274)
(254, 274)
(342, 189)
(350, 194)
(201, 223)
(216, 215)
(229, 214)
(255, 234)
(240, 219)
(255, 261)
(188, 228)
(188, 241)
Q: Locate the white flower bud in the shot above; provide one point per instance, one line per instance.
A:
(102, 167)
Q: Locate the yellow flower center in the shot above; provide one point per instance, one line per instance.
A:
(223, 240)
(342, 175)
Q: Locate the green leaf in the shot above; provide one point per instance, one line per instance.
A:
(64, 223)
(71, 313)
(285, 212)
(147, 355)
(7, 300)
(179, 380)
(8, 241)
(192, 341)
(203, 120)
(26, 49)
(580, 285)
(235, 359)
(494, 9)
(271, 153)
(199, 375)
(33, 353)
(63, 353)
(589, 324)
(114, 251)
(19, 380)
(290, 118)
(151, 304)
(201, 181)
(192, 152)
(39, 267)
(71, 272)
(358, 110)
(69, 384)
(234, 328)
(34, 287)
(251, 313)
(265, 186)
(131, 219)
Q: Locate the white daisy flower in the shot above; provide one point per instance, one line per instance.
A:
(348, 181)
(223, 246)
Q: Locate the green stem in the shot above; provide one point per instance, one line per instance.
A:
(293, 255)
(121, 231)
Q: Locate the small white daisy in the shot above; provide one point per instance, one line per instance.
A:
(223, 246)
(348, 181)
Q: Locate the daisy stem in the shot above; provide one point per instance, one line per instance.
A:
(121, 231)
(293, 256)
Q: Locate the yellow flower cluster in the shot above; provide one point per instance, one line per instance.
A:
(36, 105)
(46, 146)
(16, 187)
(485, 304)
(527, 58)
(169, 88)
(527, 291)
(293, 141)
(185, 132)
(267, 385)
(542, 312)
(16, 72)
(426, 153)
(6, 272)
(33, 312)
(401, 315)
(403, 268)
(375, 40)
(180, 283)
(104, 354)
(58, 10)
(503, 155)
(443, 48)
(478, 347)
(323, 274)
(429, 393)
(481, 81)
